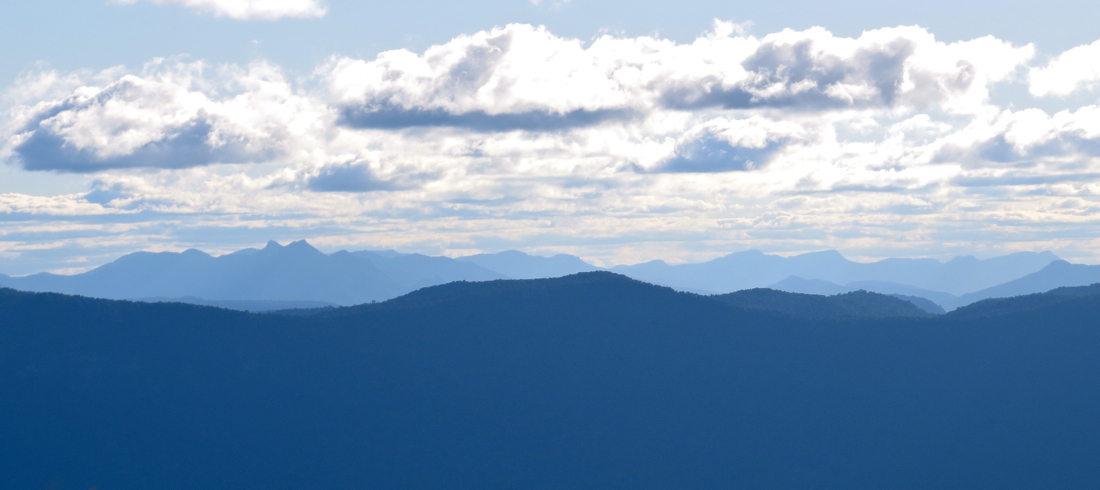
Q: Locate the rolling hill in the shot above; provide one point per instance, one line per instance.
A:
(586, 381)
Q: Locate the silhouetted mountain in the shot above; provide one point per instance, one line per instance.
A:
(923, 303)
(940, 301)
(1016, 304)
(795, 284)
(518, 265)
(1058, 274)
(856, 304)
(753, 269)
(299, 272)
(945, 300)
(389, 254)
(414, 271)
(586, 381)
(242, 305)
(296, 272)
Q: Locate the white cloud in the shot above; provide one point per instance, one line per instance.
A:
(248, 9)
(521, 76)
(1071, 71)
(169, 115)
(615, 149)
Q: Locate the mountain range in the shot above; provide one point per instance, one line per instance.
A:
(295, 272)
(591, 380)
(278, 276)
(754, 269)
(1056, 274)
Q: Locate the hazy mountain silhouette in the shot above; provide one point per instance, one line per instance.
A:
(242, 305)
(925, 304)
(857, 304)
(518, 265)
(1016, 304)
(941, 300)
(299, 272)
(795, 284)
(753, 269)
(295, 272)
(1058, 274)
(414, 271)
(586, 381)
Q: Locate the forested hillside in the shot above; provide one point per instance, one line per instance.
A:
(586, 381)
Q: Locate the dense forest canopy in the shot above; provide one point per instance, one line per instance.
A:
(587, 381)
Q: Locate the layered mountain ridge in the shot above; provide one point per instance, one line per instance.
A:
(298, 272)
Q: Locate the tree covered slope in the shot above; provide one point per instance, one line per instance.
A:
(586, 381)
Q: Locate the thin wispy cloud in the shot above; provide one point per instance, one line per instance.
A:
(247, 9)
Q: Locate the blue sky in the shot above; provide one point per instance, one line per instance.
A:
(617, 131)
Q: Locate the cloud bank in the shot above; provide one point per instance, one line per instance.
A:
(616, 149)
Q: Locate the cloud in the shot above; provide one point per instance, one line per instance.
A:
(347, 178)
(397, 118)
(360, 177)
(1073, 70)
(524, 77)
(725, 145)
(1029, 137)
(248, 9)
(710, 154)
(617, 148)
(168, 116)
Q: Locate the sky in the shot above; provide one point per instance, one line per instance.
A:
(617, 131)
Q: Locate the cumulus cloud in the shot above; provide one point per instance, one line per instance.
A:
(248, 9)
(724, 145)
(1029, 137)
(618, 148)
(1073, 70)
(524, 77)
(168, 116)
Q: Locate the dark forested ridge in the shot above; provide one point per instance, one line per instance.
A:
(856, 304)
(586, 381)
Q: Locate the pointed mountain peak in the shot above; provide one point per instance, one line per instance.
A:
(272, 245)
(302, 248)
(300, 244)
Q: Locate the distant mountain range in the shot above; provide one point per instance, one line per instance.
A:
(295, 272)
(243, 305)
(856, 304)
(591, 380)
(755, 269)
(298, 272)
(518, 265)
(1056, 274)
